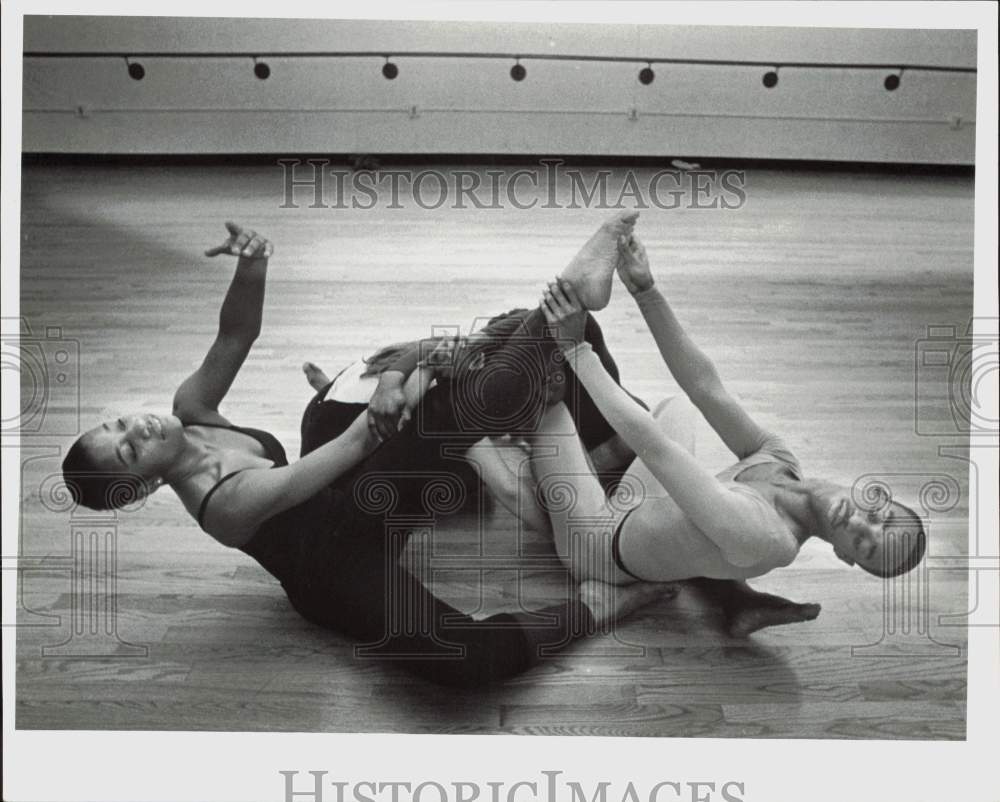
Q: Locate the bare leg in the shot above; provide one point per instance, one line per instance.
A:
(503, 464)
(503, 467)
(592, 270)
(609, 603)
(676, 417)
(612, 454)
(748, 610)
(582, 520)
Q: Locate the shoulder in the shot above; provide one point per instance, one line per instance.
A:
(233, 509)
(193, 414)
(771, 542)
(775, 447)
(782, 545)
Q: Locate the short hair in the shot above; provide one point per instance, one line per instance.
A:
(95, 487)
(906, 534)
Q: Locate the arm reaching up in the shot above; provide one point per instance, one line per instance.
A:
(687, 363)
(199, 396)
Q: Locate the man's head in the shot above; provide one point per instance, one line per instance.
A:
(886, 540)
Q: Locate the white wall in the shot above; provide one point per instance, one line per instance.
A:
(470, 105)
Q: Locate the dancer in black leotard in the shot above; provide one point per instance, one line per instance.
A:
(338, 562)
(321, 525)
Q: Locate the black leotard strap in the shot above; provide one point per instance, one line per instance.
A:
(274, 450)
(616, 548)
(272, 447)
(208, 495)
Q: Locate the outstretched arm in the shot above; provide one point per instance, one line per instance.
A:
(256, 495)
(688, 364)
(199, 396)
(253, 496)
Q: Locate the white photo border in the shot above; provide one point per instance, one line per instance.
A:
(78, 765)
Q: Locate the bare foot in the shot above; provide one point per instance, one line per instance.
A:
(608, 603)
(769, 611)
(592, 270)
(315, 376)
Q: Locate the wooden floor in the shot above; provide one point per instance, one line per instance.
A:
(812, 299)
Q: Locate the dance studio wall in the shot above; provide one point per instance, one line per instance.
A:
(192, 104)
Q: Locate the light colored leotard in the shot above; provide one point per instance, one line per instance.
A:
(706, 526)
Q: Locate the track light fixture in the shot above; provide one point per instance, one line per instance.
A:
(135, 70)
(892, 77)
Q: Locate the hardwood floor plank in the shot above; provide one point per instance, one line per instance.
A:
(933, 720)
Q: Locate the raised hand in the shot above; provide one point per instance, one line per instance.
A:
(243, 242)
(633, 264)
(563, 310)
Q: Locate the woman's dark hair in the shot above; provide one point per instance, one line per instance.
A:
(96, 488)
(906, 540)
(382, 359)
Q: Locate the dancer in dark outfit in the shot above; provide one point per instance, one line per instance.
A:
(338, 562)
(316, 524)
